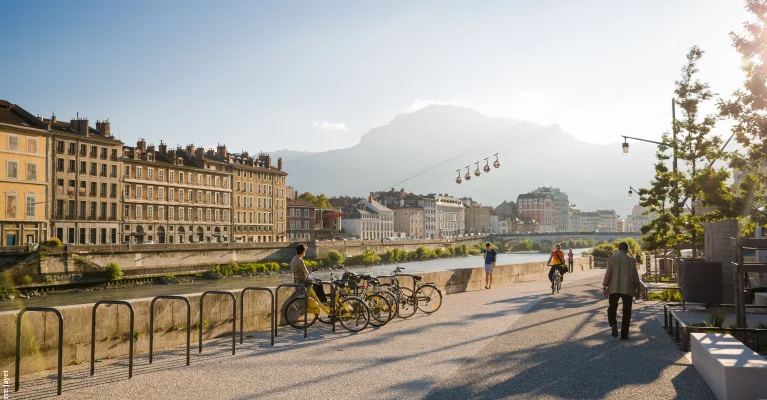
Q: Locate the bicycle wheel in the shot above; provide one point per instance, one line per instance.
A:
(393, 304)
(353, 314)
(294, 314)
(429, 298)
(406, 305)
(380, 309)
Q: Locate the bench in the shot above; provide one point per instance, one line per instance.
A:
(731, 370)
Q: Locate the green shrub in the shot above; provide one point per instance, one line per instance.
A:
(114, 272)
(369, 257)
(261, 268)
(717, 318)
(451, 251)
(26, 279)
(335, 258)
(474, 251)
(439, 253)
(423, 253)
(52, 242)
(137, 335)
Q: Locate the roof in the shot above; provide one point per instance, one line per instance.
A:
(376, 207)
(12, 114)
(299, 202)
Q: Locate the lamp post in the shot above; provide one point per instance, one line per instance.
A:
(632, 191)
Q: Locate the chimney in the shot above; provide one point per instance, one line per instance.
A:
(190, 150)
(244, 154)
(221, 151)
(199, 155)
(53, 118)
(163, 148)
(279, 163)
(210, 152)
(371, 197)
(79, 125)
(172, 156)
(104, 128)
(150, 149)
(141, 145)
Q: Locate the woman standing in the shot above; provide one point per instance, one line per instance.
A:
(570, 260)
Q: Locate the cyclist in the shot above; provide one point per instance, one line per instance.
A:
(557, 262)
(301, 275)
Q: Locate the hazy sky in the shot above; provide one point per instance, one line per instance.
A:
(317, 75)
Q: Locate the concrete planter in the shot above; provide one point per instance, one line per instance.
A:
(700, 281)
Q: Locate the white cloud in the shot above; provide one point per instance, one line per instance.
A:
(330, 126)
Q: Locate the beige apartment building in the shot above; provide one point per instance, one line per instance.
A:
(409, 220)
(478, 219)
(181, 195)
(86, 182)
(259, 197)
(24, 166)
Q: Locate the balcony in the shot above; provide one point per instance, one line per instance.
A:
(103, 195)
(83, 153)
(71, 191)
(112, 196)
(82, 192)
(94, 155)
(113, 157)
(102, 218)
(92, 194)
(71, 152)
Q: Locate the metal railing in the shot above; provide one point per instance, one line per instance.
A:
(234, 314)
(188, 324)
(755, 339)
(277, 302)
(93, 334)
(273, 318)
(60, 345)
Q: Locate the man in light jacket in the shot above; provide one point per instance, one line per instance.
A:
(622, 282)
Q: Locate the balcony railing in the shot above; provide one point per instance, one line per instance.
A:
(112, 195)
(113, 157)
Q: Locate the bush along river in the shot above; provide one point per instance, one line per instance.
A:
(232, 276)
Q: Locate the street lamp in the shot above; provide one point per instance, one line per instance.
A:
(625, 146)
(631, 191)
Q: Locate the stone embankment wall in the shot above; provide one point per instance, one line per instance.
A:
(40, 331)
(73, 263)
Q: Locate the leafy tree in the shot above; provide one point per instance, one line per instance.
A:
(335, 257)
(320, 201)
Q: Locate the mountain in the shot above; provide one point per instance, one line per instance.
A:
(421, 151)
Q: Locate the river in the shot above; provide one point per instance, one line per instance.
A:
(65, 297)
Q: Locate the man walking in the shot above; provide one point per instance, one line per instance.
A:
(490, 257)
(570, 260)
(621, 282)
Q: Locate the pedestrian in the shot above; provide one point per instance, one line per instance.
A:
(301, 274)
(639, 260)
(490, 258)
(570, 260)
(557, 262)
(621, 282)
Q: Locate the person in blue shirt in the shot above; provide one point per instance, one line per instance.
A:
(490, 257)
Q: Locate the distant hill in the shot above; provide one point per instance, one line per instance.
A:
(434, 138)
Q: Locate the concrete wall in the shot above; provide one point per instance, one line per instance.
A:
(718, 248)
(39, 331)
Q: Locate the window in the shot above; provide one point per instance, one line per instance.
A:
(191, 180)
(207, 180)
(31, 200)
(149, 212)
(161, 213)
(160, 194)
(103, 170)
(251, 187)
(199, 196)
(32, 146)
(150, 193)
(207, 214)
(170, 194)
(13, 170)
(161, 175)
(60, 147)
(60, 165)
(216, 215)
(292, 212)
(199, 179)
(170, 214)
(216, 198)
(226, 216)
(113, 210)
(139, 172)
(138, 211)
(150, 173)
(138, 192)
(181, 195)
(127, 171)
(292, 224)
(226, 199)
(199, 214)
(13, 143)
(103, 190)
(170, 176)
(207, 197)
(94, 151)
(306, 213)
(94, 169)
(181, 178)
(190, 213)
(217, 182)
(191, 195)
(181, 213)
(127, 212)
(226, 183)
(238, 186)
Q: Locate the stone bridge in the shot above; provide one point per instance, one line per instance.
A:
(547, 240)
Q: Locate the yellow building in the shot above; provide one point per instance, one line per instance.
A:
(24, 144)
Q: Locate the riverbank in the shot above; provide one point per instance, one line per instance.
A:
(41, 330)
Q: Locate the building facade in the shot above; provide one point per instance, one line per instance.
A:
(368, 220)
(478, 219)
(86, 182)
(637, 219)
(301, 220)
(449, 216)
(561, 209)
(24, 173)
(538, 207)
(175, 196)
(410, 221)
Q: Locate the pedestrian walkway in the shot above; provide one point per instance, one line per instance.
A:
(515, 341)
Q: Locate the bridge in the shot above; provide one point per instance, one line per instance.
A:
(548, 239)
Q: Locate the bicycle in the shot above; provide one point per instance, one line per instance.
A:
(556, 281)
(380, 307)
(427, 297)
(351, 311)
(404, 297)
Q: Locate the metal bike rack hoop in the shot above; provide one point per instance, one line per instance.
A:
(234, 314)
(18, 342)
(277, 302)
(93, 334)
(242, 310)
(188, 324)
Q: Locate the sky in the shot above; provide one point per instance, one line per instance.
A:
(316, 76)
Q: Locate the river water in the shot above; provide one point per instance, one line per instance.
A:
(65, 297)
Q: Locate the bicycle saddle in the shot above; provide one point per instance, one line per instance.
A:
(340, 284)
(417, 277)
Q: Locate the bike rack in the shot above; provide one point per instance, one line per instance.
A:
(188, 324)
(18, 341)
(93, 334)
(234, 314)
(333, 303)
(242, 311)
(306, 306)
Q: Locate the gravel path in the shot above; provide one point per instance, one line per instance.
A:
(515, 341)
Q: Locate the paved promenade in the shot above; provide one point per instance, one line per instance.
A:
(516, 341)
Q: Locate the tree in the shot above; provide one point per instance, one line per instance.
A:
(748, 109)
(320, 201)
(696, 148)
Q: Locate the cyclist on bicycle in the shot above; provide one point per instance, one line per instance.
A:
(301, 275)
(557, 262)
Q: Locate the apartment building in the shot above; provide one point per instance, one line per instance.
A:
(538, 207)
(368, 220)
(175, 195)
(86, 182)
(301, 220)
(24, 166)
(410, 221)
(561, 208)
(478, 218)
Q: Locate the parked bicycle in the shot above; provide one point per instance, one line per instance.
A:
(351, 311)
(427, 297)
(381, 310)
